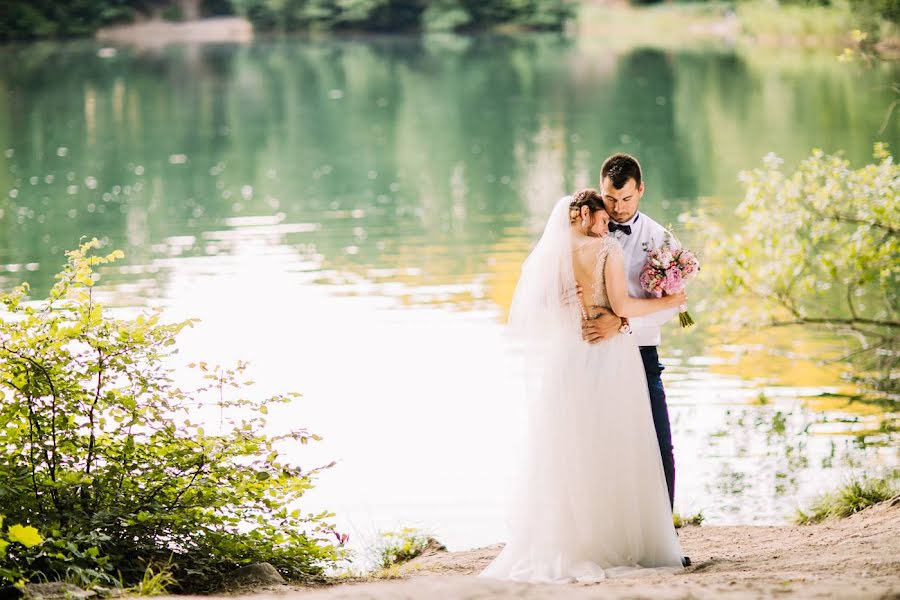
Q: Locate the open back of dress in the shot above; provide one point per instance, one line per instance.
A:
(589, 264)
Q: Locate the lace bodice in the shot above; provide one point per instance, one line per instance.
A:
(609, 244)
(596, 271)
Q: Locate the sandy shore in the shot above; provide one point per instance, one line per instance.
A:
(854, 558)
(156, 33)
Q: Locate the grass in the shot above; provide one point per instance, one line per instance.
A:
(662, 24)
(762, 400)
(770, 22)
(401, 546)
(155, 582)
(754, 22)
(685, 520)
(851, 498)
(392, 572)
(386, 557)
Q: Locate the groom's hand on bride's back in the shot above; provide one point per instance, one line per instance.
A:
(603, 325)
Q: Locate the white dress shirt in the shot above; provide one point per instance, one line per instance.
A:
(644, 231)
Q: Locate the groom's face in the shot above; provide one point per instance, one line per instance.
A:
(622, 203)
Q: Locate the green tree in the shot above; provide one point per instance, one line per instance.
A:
(889, 10)
(819, 247)
(23, 19)
(405, 15)
(102, 451)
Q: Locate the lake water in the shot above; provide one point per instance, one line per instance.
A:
(349, 215)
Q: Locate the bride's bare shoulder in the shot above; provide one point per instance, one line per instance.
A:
(589, 246)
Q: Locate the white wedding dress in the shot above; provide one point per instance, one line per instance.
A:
(591, 500)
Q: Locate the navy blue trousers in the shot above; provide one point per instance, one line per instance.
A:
(654, 370)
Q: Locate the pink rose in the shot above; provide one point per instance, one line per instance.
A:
(673, 282)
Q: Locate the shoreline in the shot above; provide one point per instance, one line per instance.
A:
(662, 25)
(857, 557)
(156, 33)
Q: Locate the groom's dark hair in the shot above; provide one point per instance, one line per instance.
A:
(620, 168)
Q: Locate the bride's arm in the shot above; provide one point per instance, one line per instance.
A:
(617, 290)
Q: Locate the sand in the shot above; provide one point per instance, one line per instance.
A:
(157, 33)
(853, 558)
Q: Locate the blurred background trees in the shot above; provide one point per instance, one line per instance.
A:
(26, 19)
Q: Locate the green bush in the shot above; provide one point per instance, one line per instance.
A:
(445, 15)
(853, 497)
(173, 13)
(25, 19)
(380, 15)
(404, 15)
(15, 544)
(103, 452)
(216, 8)
(886, 9)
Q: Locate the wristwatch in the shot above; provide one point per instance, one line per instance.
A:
(625, 328)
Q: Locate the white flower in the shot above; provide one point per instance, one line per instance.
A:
(666, 259)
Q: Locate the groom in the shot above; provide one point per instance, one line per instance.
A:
(622, 188)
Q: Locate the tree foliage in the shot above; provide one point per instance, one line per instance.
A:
(373, 15)
(24, 19)
(888, 10)
(404, 15)
(120, 468)
(819, 247)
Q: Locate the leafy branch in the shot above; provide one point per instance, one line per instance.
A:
(830, 258)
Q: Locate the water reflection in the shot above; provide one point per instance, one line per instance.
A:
(350, 215)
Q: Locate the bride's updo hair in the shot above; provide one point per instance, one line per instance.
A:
(587, 197)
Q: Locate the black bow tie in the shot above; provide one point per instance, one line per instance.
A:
(624, 228)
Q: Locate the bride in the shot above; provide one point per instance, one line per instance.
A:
(591, 500)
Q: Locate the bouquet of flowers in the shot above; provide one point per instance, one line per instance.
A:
(666, 272)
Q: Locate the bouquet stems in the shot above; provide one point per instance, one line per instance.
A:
(684, 316)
